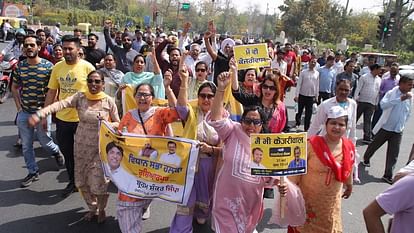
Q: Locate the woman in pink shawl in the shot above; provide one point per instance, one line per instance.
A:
(237, 198)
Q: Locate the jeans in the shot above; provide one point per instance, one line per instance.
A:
(305, 102)
(393, 149)
(27, 135)
(368, 110)
(65, 135)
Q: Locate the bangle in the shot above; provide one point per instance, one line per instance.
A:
(221, 90)
(183, 87)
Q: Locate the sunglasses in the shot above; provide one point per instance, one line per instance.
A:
(208, 96)
(249, 121)
(142, 94)
(200, 70)
(272, 88)
(96, 81)
(29, 45)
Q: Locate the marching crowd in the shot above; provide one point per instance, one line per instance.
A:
(82, 84)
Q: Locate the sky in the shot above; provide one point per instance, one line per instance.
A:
(373, 6)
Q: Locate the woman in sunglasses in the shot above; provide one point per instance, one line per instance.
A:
(145, 120)
(197, 128)
(92, 106)
(237, 198)
(268, 99)
(139, 75)
(201, 72)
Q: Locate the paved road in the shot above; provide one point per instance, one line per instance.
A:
(40, 209)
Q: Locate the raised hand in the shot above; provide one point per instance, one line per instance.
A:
(167, 78)
(223, 80)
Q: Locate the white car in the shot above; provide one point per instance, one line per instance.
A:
(406, 69)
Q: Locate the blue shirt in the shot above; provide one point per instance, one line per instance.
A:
(399, 113)
(326, 79)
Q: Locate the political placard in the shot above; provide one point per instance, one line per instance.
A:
(149, 167)
(251, 56)
(278, 154)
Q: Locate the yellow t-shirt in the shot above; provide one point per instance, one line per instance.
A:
(68, 80)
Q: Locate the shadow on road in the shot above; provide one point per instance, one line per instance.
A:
(26, 196)
(64, 222)
(365, 177)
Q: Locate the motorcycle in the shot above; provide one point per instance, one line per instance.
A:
(7, 66)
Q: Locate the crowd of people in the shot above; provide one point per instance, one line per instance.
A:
(82, 84)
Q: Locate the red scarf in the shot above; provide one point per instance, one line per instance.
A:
(341, 171)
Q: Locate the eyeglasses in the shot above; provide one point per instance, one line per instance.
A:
(208, 96)
(96, 81)
(249, 121)
(272, 88)
(29, 45)
(200, 70)
(142, 94)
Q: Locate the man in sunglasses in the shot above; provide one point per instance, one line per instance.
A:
(32, 76)
(67, 78)
(124, 55)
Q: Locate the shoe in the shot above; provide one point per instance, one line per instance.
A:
(147, 213)
(18, 143)
(70, 188)
(386, 180)
(367, 141)
(366, 164)
(60, 160)
(29, 179)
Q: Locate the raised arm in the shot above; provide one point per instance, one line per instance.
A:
(210, 50)
(233, 74)
(108, 40)
(223, 80)
(183, 94)
(155, 65)
(158, 53)
(172, 101)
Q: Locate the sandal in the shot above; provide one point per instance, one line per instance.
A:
(89, 216)
(101, 216)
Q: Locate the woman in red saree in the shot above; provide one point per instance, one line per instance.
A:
(330, 160)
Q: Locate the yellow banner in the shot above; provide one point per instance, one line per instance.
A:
(251, 56)
(149, 166)
(278, 154)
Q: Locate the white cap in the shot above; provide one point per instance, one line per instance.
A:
(336, 112)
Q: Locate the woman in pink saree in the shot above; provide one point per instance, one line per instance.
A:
(237, 197)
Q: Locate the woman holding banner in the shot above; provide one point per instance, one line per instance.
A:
(330, 161)
(92, 106)
(196, 128)
(138, 75)
(238, 195)
(145, 120)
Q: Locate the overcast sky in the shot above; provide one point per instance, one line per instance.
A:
(373, 6)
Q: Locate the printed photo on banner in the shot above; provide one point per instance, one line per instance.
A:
(149, 166)
(251, 56)
(278, 154)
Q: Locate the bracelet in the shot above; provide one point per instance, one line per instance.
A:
(221, 90)
(183, 87)
(38, 115)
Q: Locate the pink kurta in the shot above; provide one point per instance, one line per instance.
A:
(238, 196)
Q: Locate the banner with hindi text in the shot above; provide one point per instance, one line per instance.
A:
(146, 166)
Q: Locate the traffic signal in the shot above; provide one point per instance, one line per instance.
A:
(382, 27)
(390, 24)
(185, 6)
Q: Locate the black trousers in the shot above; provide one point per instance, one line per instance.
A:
(368, 110)
(393, 149)
(65, 135)
(323, 96)
(304, 102)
